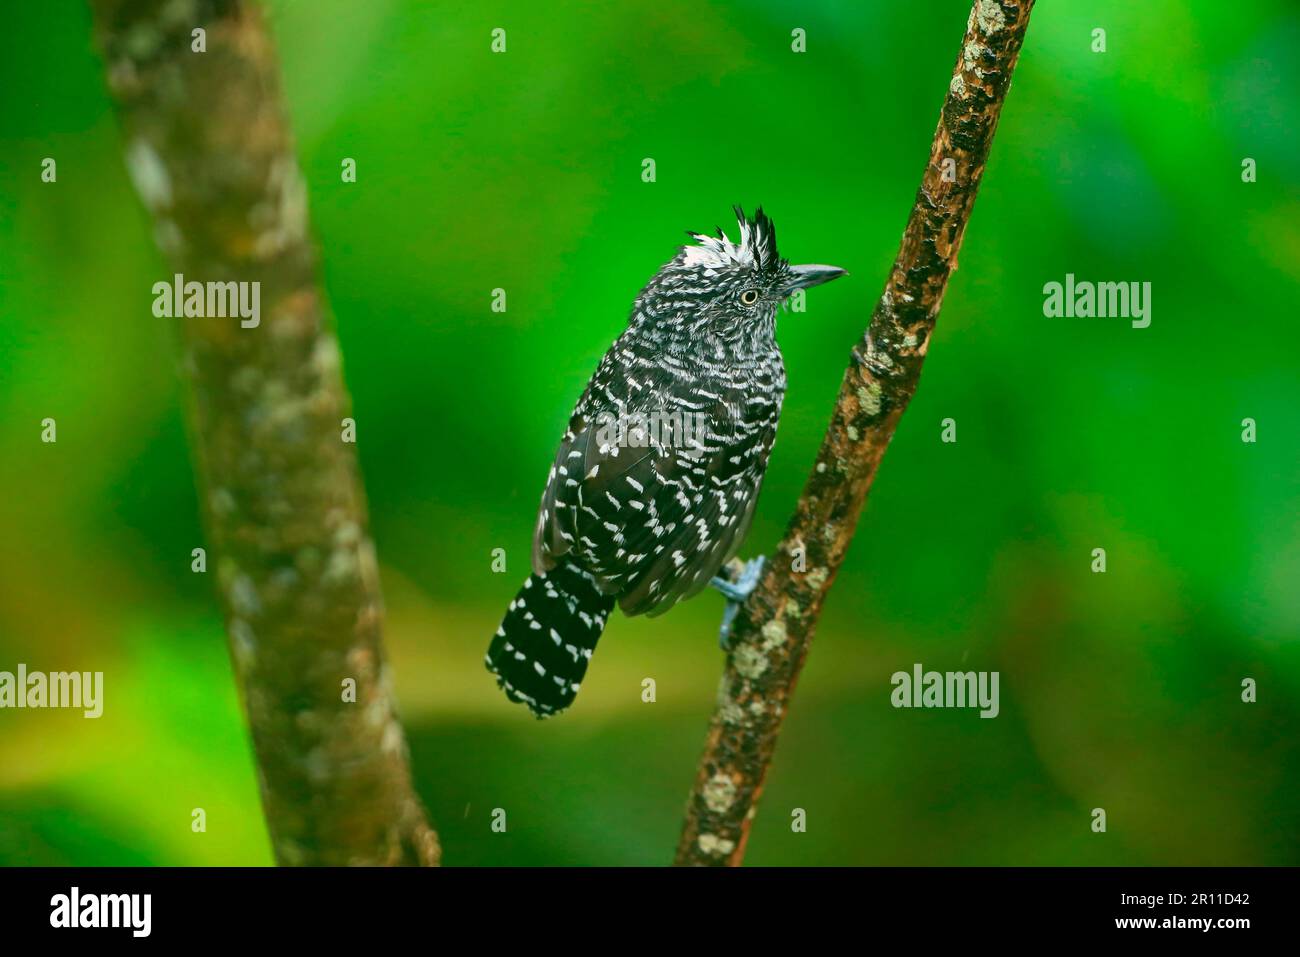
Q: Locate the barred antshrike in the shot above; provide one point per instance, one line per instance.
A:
(655, 481)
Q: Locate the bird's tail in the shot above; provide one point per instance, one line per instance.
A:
(540, 652)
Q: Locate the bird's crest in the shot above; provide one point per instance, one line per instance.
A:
(757, 246)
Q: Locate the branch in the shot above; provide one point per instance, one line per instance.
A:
(210, 152)
(772, 633)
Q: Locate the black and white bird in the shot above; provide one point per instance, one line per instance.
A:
(655, 481)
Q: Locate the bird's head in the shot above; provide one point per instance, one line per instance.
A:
(727, 289)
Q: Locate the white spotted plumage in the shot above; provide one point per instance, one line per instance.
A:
(647, 520)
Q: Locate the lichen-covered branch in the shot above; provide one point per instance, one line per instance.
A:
(209, 150)
(772, 633)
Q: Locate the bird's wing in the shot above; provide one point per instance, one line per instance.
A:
(583, 512)
(600, 494)
(654, 520)
(557, 528)
(703, 512)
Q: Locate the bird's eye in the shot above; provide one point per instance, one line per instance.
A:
(749, 297)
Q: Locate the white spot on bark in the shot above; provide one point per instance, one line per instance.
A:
(715, 846)
(750, 662)
(242, 595)
(869, 399)
(774, 634)
(148, 175)
(728, 710)
(990, 16)
(142, 41)
(317, 765)
(378, 713)
(178, 12)
(731, 713)
(392, 741)
(325, 355)
(221, 502)
(719, 793)
(342, 567)
(282, 220)
(243, 644)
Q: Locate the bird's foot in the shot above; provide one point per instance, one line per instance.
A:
(737, 589)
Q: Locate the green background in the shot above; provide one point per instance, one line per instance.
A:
(523, 171)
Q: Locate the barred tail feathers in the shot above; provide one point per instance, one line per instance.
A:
(540, 653)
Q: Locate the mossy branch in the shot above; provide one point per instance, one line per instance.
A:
(772, 633)
(210, 152)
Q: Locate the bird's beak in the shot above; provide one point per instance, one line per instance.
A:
(805, 277)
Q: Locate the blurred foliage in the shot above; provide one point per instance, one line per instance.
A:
(522, 171)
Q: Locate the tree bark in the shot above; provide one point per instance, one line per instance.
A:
(210, 152)
(772, 633)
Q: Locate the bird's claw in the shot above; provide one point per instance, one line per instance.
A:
(744, 579)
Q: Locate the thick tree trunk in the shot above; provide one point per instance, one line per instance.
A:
(209, 149)
(772, 633)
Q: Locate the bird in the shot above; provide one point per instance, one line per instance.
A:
(657, 476)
